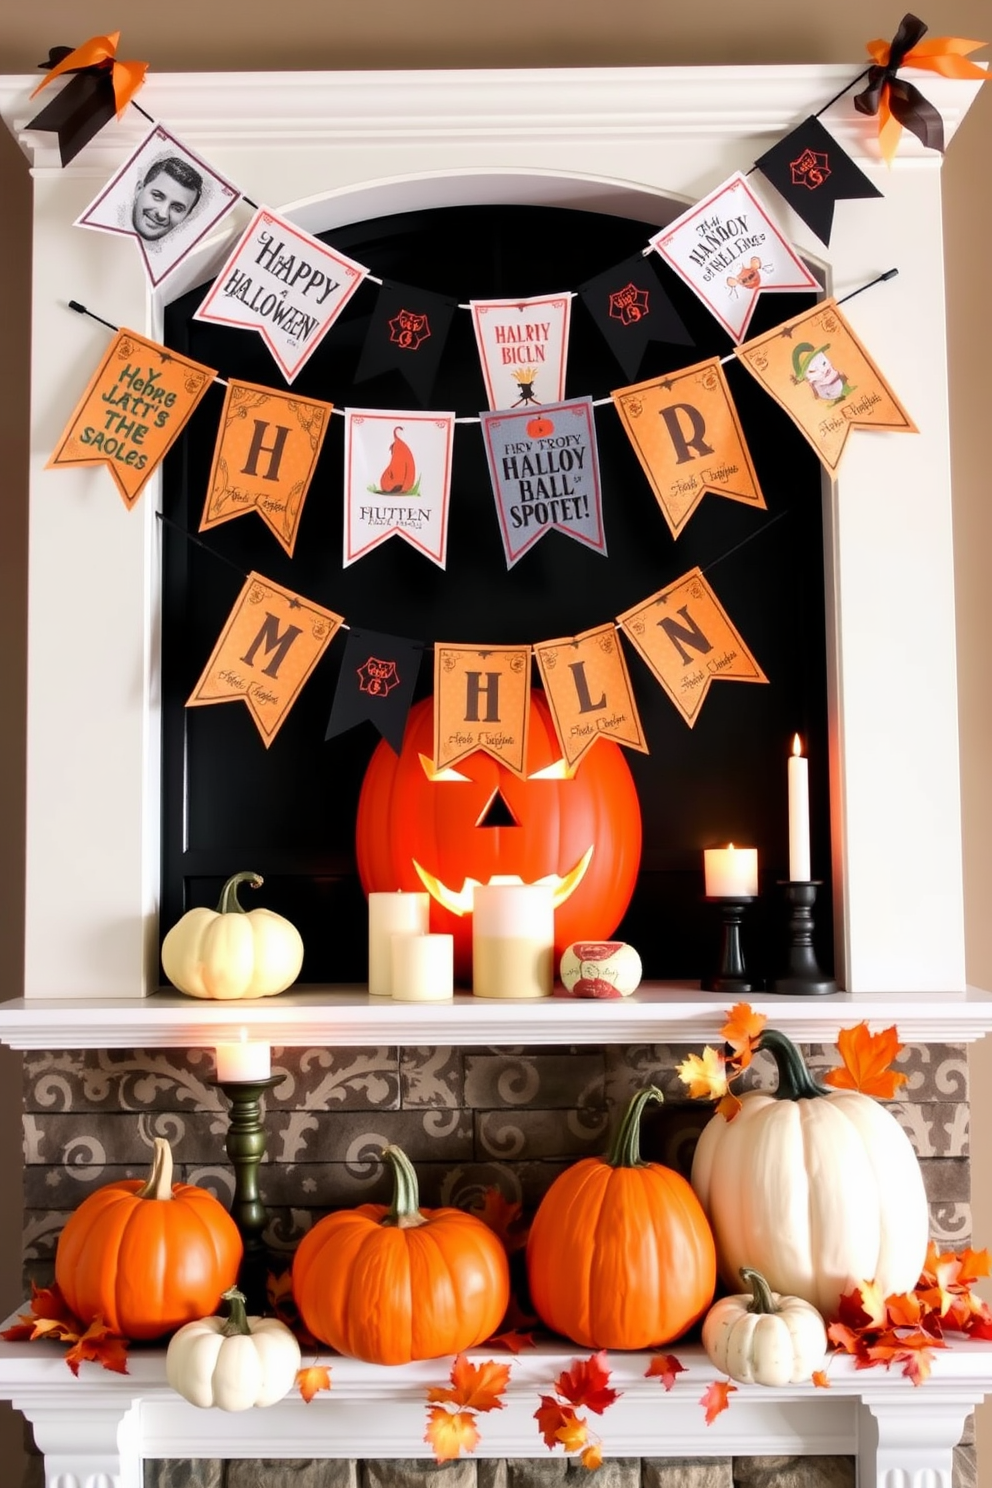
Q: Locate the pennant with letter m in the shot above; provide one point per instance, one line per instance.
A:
(376, 682)
(811, 171)
(481, 701)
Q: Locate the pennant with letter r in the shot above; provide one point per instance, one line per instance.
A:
(588, 689)
(631, 308)
(811, 171)
(376, 682)
(481, 701)
(407, 333)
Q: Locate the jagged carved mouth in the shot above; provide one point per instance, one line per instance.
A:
(459, 901)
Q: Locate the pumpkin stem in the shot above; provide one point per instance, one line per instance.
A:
(158, 1185)
(626, 1149)
(404, 1212)
(237, 1319)
(761, 1293)
(228, 902)
(794, 1080)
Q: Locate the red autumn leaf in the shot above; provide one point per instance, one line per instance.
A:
(473, 1386)
(450, 1433)
(665, 1367)
(20, 1332)
(866, 1060)
(863, 1307)
(101, 1346)
(917, 1366)
(50, 1317)
(742, 1031)
(504, 1217)
(592, 1457)
(587, 1382)
(551, 1416)
(311, 1380)
(845, 1338)
(819, 1378)
(574, 1434)
(716, 1398)
(513, 1340)
(58, 1331)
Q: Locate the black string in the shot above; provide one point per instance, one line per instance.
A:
(744, 541)
(200, 544)
(880, 279)
(852, 84)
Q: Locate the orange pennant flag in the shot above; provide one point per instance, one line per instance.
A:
(481, 701)
(588, 689)
(126, 77)
(269, 646)
(133, 410)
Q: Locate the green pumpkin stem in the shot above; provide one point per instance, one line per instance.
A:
(794, 1080)
(404, 1211)
(158, 1184)
(762, 1300)
(237, 1318)
(626, 1149)
(228, 902)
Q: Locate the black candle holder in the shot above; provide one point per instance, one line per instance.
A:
(803, 977)
(731, 975)
(246, 1147)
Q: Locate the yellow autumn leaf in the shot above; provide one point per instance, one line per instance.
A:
(705, 1076)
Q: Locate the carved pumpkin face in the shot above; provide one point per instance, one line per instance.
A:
(480, 823)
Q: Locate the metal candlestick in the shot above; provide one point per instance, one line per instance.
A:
(732, 973)
(803, 977)
(246, 1147)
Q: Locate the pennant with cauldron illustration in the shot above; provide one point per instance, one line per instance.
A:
(812, 172)
(689, 641)
(545, 473)
(376, 682)
(728, 250)
(266, 453)
(407, 332)
(523, 348)
(134, 408)
(481, 701)
(816, 368)
(631, 308)
(397, 480)
(270, 644)
(588, 689)
(687, 434)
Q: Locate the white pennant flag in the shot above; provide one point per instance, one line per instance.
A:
(397, 479)
(523, 348)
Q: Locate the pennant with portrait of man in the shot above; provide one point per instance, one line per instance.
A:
(588, 688)
(481, 701)
(267, 448)
(689, 641)
(135, 406)
(523, 349)
(817, 369)
(687, 434)
(270, 644)
(376, 682)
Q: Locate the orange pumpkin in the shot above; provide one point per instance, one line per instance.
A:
(580, 831)
(147, 1257)
(400, 474)
(391, 1285)
(540, 427)
(620, 1254)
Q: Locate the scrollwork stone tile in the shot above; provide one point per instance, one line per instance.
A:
(519, 1135)
(291, 1472)
(947, 1180)
(432, 1077)
(950, 1225)
(686, 1472)
(937, 1128)
(493, 1081)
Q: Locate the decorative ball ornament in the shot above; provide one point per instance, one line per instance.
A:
(232, 952)
(763, 1338)
(600, 968)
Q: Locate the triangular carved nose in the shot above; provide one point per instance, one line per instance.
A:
(497, 813)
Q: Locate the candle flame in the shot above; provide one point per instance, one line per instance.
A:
(797, 745)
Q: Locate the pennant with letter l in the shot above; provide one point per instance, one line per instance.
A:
(817, 370)
(376, 681)
(631, 308)
(270, 644)
(134, 408)
(687, 434)
(728, 250)
(589, 693)
(811, 171)
(267, 448)
(407, 331)
(689, 641)
(397, 480)
(481, 701)
(523, 348)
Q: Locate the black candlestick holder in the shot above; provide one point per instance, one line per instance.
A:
(246, 1147)
(803, 977)
(731, 975)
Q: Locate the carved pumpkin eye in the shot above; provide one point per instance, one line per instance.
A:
(557, 771)
(448, 773)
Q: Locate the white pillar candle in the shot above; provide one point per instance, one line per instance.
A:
(513, 936)
(243, 1060)
(423, 968)
(798, 815)
(731, 872)
(392, 914)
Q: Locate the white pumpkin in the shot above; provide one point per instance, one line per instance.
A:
(817, 1189)
(234, 1362)
(231, 952)
(763, 1338)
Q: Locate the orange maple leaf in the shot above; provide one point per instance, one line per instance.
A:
(551, 1416)
(729, 1106)
(904, 1309)
(742, 1031)
(844, 1338)
(587, 1383)
(101, 1346)
(54, 1328)
(474, 1386)
(706, 1075)
(450, 1433)
(866, 1059)
(513, 1340)
(592, 1457)
(311, 1380)
(819, 1378)
(666, 1367)
(716, 1398)
(504, 1217)
(279, 1291)
(574, 1434)
(48, 1307)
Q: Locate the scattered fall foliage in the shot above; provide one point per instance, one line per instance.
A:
(715, 1398)
(453, 1409)
(585, 1385)
(50, 1317)
(311, 1380)
(666, 1368)
(866, 1058)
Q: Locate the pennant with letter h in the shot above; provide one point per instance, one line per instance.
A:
(376, 682)
(589, 693)
(631, 308)
(481, 701)
(811, 171)
(407, 332)
(523, 348)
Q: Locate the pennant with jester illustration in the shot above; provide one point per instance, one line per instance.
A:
(588, 688)
(481, 701)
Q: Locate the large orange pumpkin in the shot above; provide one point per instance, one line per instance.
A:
(391, 1285)
(147, 1257)
(620, 1254)
(579, 830)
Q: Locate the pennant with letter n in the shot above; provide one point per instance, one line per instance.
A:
(811, 171)
(134, 408)
(588, 689)
(689, 641)
(376, 682)
(270, 644)
(481, 701)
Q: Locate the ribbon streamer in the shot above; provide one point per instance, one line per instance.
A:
(899, 104)
(99, 53)
(98, 87)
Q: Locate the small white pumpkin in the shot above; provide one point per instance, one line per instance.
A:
(234, 1362)
(763, 1338)
(231, 952)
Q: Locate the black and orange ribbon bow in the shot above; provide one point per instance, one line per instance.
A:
(900, 104)
(100, 86)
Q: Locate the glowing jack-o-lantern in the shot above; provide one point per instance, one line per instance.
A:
(578, 830)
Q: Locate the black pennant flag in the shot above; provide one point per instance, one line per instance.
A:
(407, 331)
(376, 681)
(631, 308)
(85, 104)
(812, 172)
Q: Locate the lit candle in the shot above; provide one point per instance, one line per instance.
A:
(243, 1060)
(731, 872)
(392, 914)
(423, 968)
(513, 934)
(798, 814)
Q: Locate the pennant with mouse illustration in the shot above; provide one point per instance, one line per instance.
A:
(816, 368)
(631, 308)
(588, 688)
(811, 171)
(728, 250)
(523, 348)
(397, 480)
(267, 448)
(481, 701)
(376, 682)
(687, 434)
